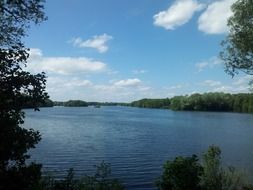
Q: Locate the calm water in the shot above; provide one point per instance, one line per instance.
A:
(136, 141)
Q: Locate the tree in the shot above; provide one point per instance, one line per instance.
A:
(238, 46)
(16, 88)
(186, 173)
(16, 17)
(215, 177)
(75, 103)
(181, 174)
(212, 176)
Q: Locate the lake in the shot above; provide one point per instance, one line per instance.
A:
(135, 141)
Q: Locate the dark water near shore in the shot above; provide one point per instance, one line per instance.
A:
(136, 141)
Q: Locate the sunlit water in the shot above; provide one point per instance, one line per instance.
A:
(136, 142)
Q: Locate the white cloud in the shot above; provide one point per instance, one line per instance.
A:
(144, 88)
(225, 88)
(170, 95)
(179, 86)
(113, 85)
(210, 63)
(141, 71)
(71, 78)
(128, 83)
(67, 87)
(123, 90)
(35, 54)
(78, 83)
(60, 82)
(62, 87)
(237, 85)
(63, 65)
(177, 14)
(96, 42)
(211, 83)
(244, 80)
(214, 19)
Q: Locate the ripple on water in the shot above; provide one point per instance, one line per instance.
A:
(135, 141)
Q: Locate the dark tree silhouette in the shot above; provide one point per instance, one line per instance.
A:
(16, 88)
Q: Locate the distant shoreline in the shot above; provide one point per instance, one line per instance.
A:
(212, 102)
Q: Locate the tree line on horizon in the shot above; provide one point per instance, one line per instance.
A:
(81, 103)
(212, 101)
(70, 103)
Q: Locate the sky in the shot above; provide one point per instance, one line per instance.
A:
(120, 51)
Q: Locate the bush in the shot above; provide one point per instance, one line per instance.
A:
(181, 174)
(101, 180)
(188, 174)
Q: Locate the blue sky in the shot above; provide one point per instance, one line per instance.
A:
(127, 50)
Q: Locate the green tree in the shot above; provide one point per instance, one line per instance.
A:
(16, 17)
(238, 46)
(16, 88)
(212, 175)
(186, 173)
(215, 177)
(75, 103)
(250, 110)
(177, 102)
(181, 174)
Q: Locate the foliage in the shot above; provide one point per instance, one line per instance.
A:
(186, 173)
(181, 174)
(217, 178)
(212, 175)
(233, 180)
(238, 46)
(177, 103)
(16, 88)
(46, 103)
(101, 180)
(152, 103)
(16, 17)
(75, 103)
(213, 101)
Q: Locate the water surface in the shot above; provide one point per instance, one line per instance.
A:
(136, 141)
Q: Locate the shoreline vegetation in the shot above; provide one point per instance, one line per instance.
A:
(205, 172)
(212, 101)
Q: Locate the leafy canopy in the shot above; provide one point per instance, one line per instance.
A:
(238, 46)
(16, 17)
(181, 174)
(16, 88)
